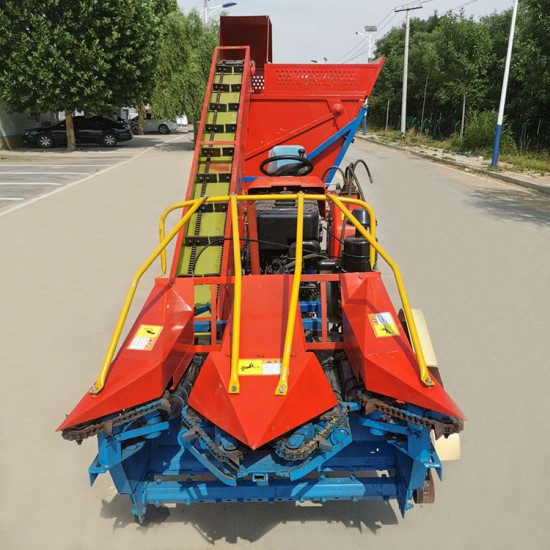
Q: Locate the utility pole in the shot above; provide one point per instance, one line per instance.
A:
(496, 145)
(408, 9)
(205, 12)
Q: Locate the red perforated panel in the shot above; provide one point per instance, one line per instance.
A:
(329, 78)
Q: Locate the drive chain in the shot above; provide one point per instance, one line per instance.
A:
(80, 434)
(454, 425)
(335, 417)
(232, 458)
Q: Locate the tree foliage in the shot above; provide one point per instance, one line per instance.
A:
(464, 50)
(453, 58)
(66, 55)
(183, 66)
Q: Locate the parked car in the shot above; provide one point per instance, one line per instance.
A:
(86, 130)
(159, 125)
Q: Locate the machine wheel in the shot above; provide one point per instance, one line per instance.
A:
(163, 129)
(109, 139)
(426, 494)
(45, 141)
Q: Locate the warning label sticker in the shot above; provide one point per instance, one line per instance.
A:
(383, 324)
(259, 367)
(145, 337)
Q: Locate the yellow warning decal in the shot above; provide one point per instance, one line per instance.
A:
(145, 337)
(260, 367)
(383, 324)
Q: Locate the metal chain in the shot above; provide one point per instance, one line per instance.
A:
(80, 434)
(441, 428)
(336, 416)
(191, 422)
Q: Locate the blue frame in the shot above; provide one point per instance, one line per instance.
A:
(348, 131)
(365, 457)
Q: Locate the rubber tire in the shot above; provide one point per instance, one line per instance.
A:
(109, 139)
(135, 129)
(163, 129)
(45, 141)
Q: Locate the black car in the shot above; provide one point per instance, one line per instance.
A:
(86, 129)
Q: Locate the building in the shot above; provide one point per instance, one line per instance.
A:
(12, 125)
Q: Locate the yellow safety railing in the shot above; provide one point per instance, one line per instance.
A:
(194, 205)
(424, 372)
(162, 231)
(100, 382)
(282, 386)
(234, 386)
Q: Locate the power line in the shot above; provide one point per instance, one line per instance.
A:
(462, 5)
(350, 52)
(385, 26)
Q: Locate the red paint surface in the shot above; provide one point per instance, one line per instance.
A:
(256, 415)
(387, 366)
(139, 376)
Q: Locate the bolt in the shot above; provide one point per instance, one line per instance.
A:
(429, 380)
(281, 390)
(233, 388)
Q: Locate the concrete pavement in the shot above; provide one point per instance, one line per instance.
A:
(478, 165)
(474, 256)
(28, 174)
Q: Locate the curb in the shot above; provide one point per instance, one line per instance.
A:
(495, 175)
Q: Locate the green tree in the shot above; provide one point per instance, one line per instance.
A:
(386, 97)
(422, 64)
(66, 55)
(532, 56)
(464, 50)
(183, 66)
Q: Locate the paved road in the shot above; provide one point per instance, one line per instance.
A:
(28, 174)
(474, 254)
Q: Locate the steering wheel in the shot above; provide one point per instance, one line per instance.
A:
(303, 168)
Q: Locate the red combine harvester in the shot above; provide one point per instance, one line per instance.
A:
(270, 363)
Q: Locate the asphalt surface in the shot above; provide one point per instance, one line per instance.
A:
(26, 174)
(474, 256)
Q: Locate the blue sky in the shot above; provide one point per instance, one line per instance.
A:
(314, 29)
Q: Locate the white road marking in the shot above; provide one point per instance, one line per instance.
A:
(29, 183)
(69, 185)
(43, 173)
(56, 165)
(11, 199)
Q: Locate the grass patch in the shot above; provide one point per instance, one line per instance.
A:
(528, 162)
(538, 163)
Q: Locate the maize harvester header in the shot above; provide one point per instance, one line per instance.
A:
(269, 363)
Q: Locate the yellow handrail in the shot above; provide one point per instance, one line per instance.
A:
(372, 228)
(162, 230)
(194, 205)
(282, 386)
(100, 382)
(234, 386)
(424, 372)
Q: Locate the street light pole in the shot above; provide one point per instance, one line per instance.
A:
(496, 145)
(369, 30)
(220, 6)
(408, 9)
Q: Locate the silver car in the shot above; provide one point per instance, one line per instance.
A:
(159, 125)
